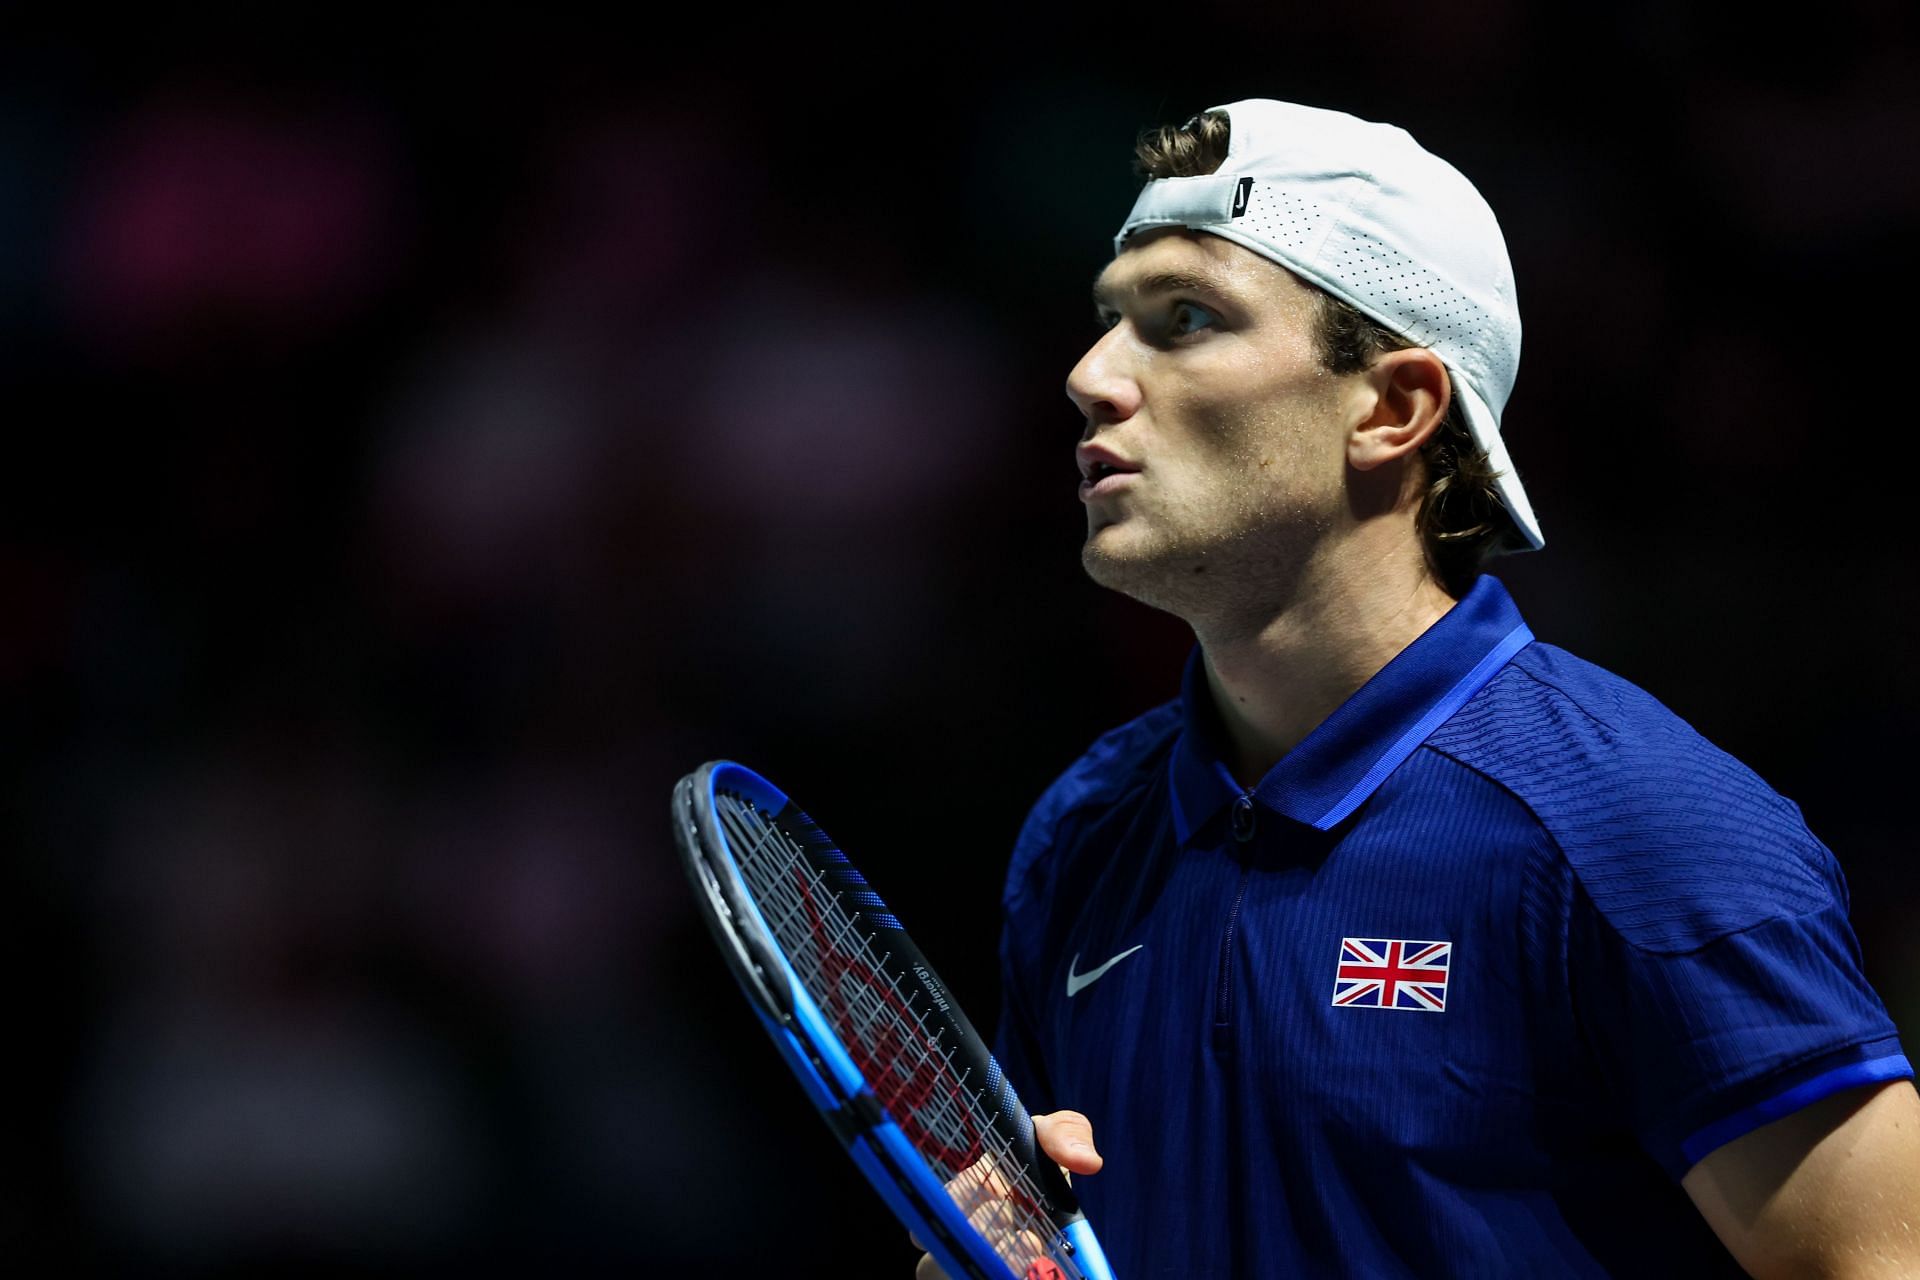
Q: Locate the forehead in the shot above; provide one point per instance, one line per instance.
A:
(1176, 260)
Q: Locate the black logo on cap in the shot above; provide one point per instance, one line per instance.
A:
(1240, 195)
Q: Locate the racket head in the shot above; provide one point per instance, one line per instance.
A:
(879, 1044)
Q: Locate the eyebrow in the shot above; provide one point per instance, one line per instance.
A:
(1162, 282)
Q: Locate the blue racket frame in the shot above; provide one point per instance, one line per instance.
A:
(801, 1032)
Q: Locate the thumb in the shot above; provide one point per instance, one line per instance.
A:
(1067, 1136)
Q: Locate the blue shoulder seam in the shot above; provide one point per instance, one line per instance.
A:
(1526, 669)
(1773, 867)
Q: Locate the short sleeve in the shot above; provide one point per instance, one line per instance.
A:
(1704, 1043)
(1117, 762)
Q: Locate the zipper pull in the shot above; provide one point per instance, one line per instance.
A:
(1243, 818)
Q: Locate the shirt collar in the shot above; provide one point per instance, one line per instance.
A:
(1343, 761)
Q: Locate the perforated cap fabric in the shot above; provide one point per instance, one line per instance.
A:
(1363, 211)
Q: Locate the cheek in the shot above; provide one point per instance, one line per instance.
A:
(1283, 441)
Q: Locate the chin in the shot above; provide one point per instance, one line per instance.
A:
(1143, 577)
(1100, 559)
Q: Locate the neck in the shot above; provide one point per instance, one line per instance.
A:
(1275, 676)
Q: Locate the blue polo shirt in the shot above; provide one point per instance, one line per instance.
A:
(1463, 986)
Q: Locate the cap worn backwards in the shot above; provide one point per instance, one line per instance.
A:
(1363, 211)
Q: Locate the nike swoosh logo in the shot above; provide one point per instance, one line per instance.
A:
(1078, 982)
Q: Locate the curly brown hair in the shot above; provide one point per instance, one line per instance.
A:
(1462, 522)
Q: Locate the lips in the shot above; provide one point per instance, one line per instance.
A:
(1111, 482)
(1102, 471)
(1098, 462)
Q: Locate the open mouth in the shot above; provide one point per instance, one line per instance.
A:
(1104, 478)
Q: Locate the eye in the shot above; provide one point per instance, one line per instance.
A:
(1187, 317)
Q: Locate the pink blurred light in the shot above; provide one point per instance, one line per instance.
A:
(197, 210)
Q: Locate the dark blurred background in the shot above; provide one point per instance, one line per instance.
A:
(427, 438)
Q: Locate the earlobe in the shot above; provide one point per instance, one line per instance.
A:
(1410, 393)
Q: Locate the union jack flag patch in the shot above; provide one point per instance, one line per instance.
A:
(1393, 973)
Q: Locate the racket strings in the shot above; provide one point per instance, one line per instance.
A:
(949, 1118)
(879, 1022)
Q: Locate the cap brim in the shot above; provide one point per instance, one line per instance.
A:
(1485, 430)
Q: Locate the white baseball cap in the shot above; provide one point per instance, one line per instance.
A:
(1368, 214)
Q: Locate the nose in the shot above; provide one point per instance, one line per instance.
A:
(1102, 386)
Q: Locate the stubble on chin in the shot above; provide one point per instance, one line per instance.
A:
(1228, 576)
(1187, 582)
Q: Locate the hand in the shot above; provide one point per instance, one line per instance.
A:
(1067, 1136)
(1064, 1136)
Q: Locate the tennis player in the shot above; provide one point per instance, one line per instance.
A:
(1403, 943)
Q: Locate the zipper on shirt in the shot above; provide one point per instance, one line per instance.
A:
(1243, 824)
(1223, 987)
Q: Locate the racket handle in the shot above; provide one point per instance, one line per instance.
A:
(1053, 1184)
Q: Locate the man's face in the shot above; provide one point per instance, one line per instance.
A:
(1208, 386)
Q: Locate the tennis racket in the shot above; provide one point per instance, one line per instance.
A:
(878, 1042)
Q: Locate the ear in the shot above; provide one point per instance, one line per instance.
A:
(1410, 392)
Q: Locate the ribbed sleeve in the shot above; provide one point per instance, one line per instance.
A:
(1705, 936)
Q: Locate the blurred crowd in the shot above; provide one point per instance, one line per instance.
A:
(419, 463)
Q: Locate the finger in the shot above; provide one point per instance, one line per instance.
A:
(1067, 1136)
(928, 1269)
(918, 1243)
